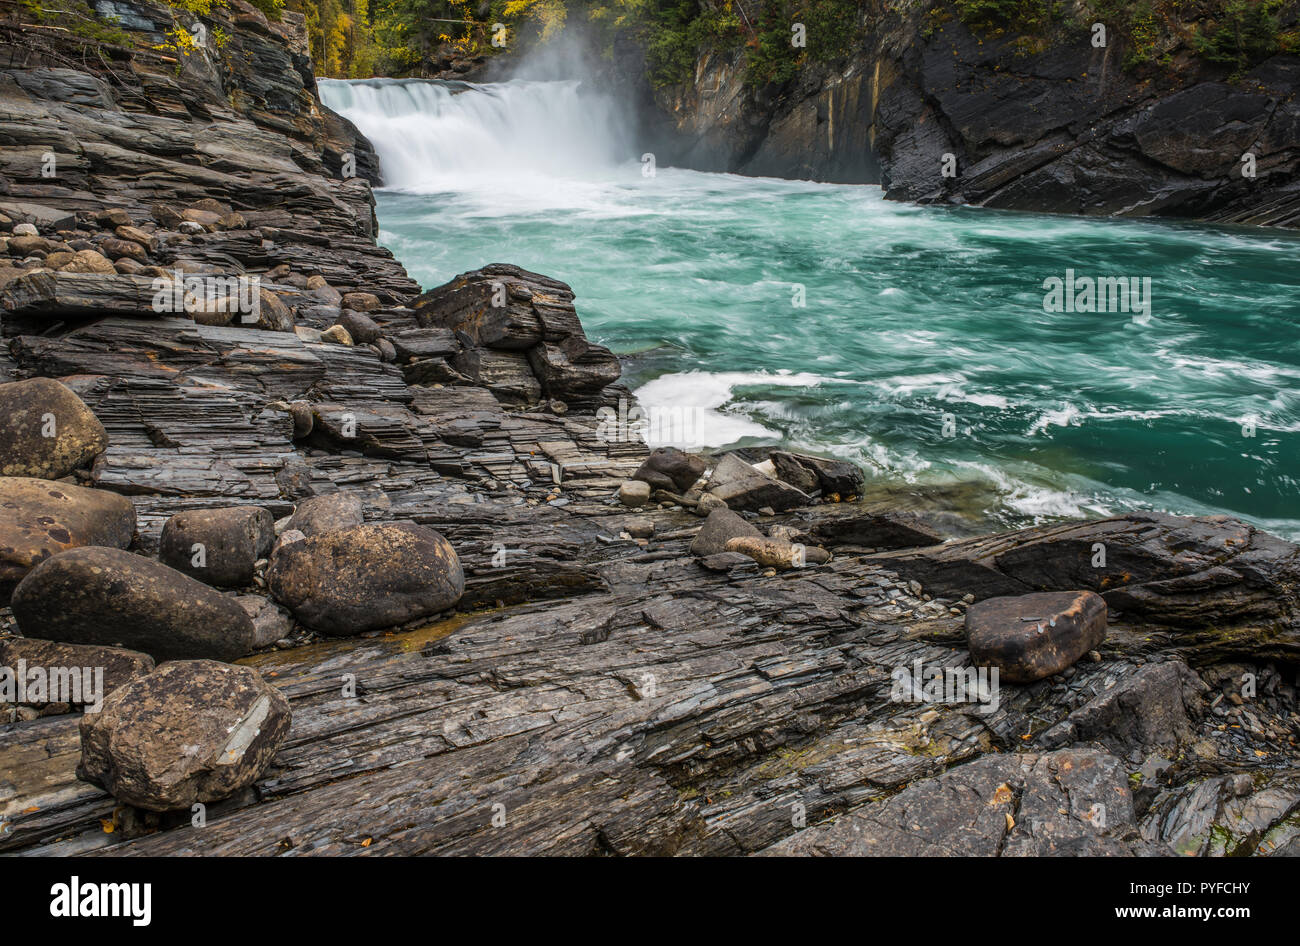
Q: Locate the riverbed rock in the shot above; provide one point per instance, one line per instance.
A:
(193, 731)
(39, 518)
(109, 596)
(65, 665)
(670, 469)
(719, 528)
(225, 543)
(370, 576)
(634, 493)
(47, 431)
(361, 327)
(838, 477)
(270, 621)
(743, 487)
(1028, 637)
(777, 553)
(329, 513)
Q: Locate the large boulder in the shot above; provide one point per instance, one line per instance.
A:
(47, 431)
(108, 596)
(1028, 637)
(832, 477)
(193, 731)
(670, 469)
(39, 519)
(742, 486)
(218, 546)
(74, 674)
(720, 527)
(366, 577)
(329, 513)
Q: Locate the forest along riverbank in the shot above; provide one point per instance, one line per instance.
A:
(918, 342)
(482, 620)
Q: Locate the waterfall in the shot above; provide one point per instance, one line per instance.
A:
(435, 136)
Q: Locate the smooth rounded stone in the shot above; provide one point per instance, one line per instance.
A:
(670, 469)
(304, 418)
(91, 673)
(361, 327)
(272, 314)
(721, 526)
(360, 301)
(270, 621)
(169, 218)
(191, 731)
(108, 596)
(115, 249)
(47, 431)
(218, 546)
(129, 232)
(205, 219)
(25, 229)
(124, 267)
(777, 553)
(317, 282)
(387, 351)
(39, 519)
(29, 246)
(634, 493)
(1029, 637)
(328, 513)
(190, 228)
(337, 334)
(366, 577)
(639, 528)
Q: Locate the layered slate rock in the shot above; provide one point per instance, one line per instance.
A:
(193, 731)
(1184, 572)
(523, 331)
(742, 486)
(218, 546)
(670, 469)
(1028, 637)
(39, 519)
(108, 596)
(1072, 803)
(46, 430)
(365, 577)
(91, 672)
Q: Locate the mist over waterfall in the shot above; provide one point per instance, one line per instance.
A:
(435, 136)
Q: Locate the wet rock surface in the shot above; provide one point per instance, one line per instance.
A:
(1028, 637)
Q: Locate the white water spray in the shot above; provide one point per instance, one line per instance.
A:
(510, 137)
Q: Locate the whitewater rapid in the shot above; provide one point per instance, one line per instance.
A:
(922, 348)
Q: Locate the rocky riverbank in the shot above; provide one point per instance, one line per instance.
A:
(1052, 117)
(365, 568)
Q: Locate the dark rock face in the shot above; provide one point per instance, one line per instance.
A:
(1028, 637)
(670, 469)
(110, 668)
(1048, 125)
(47, 430)
(1072, 803)
(191, 731)
(328, 513)
(810, 474)
(39, 519)
(108, 596)
(524, 337)
(371, 576)
(1182, 572)
(1156, 708)
(218, 546)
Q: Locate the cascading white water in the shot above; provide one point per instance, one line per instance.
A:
(454, 137)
